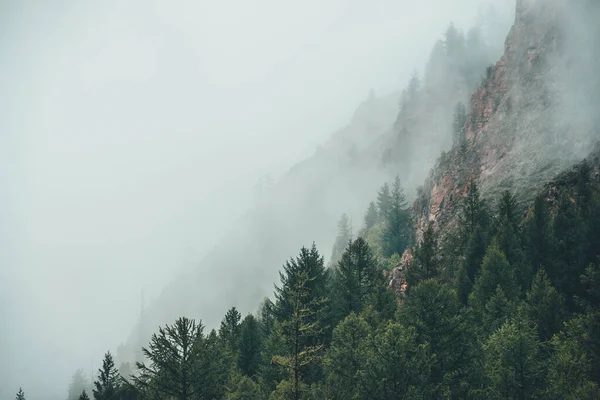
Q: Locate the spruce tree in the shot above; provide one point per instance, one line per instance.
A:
(308, 263)
(83, 396)
(434, 310)
(513, 361)
(302, 332)
(545, 306)
(397, 227)
(229, 331)
(425, 265)
(384, 201)
(20, 395)
(495, 271)
(371, 216)
(538, 240)
(355, 278)
(498, 310)
(345, 359)
(344, 235)
(173, 357)
(109, 381)
(250, 345)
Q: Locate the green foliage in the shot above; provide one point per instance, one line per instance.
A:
(426, 260)
(344, 236)
(371, 216)
(250, 345)
(346, 357)
(174, 356)
(384, 202)
(83, 396)
(308, 266)
(395, 365)
(458, 126)
(495, 271)
(108, 383)
(229, 332)
(498, 310)
(241, 387)
(545, 306)
(20, 395)
(355, 278)
(396, 233)
(435, 311)
(514, 361)
(302, 333)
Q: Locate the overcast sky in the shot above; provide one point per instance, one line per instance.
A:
(133, 131)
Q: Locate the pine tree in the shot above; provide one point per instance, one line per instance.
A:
(508, 238)
(495, 271)
(472, 212)
(229, 331)
(302, 332)
(109, 380)
(174, 355)
(434, 310)
(538, 244)
(384, 201)
(545, 306)
(355, 278)
(83, 396)
(395, 366)
(425, 265)
(371, 216)
(20, 395)
(498, 310)
(342, 239)
(513, 361)
(250, 346)
(241, 387)
(345, 358)
(308, 263)
(397, 227)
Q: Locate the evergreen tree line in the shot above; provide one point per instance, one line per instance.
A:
(506, 306)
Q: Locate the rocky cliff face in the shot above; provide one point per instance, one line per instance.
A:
(533, 116)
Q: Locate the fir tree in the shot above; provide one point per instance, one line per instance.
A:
(20, 395)
(345, 359)
(371, 216)
(384, 201)
(301, 332)
(498, 310)
(538, 246)
(355, 278)
(229, 331)
(342, 239)
(425, 265)
(83, 396)
(495, 271)
(545, 306)
(308, 263)
(250, 345)
(513, 361)
(109, 380)
(434, 310)
(397, 227)
(173, 360)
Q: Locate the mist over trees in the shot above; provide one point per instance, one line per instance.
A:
(499, 300)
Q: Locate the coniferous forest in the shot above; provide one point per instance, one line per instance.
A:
(506, 307)
(501, 300)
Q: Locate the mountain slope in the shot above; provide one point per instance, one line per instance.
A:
(535, 114)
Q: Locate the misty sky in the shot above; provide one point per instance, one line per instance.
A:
(133, 132)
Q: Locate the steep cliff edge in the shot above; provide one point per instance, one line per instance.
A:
(534, 115)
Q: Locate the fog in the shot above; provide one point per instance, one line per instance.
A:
(133, 135)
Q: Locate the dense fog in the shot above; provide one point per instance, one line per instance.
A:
(135, 136)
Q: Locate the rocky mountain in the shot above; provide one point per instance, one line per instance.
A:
(534, 115)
